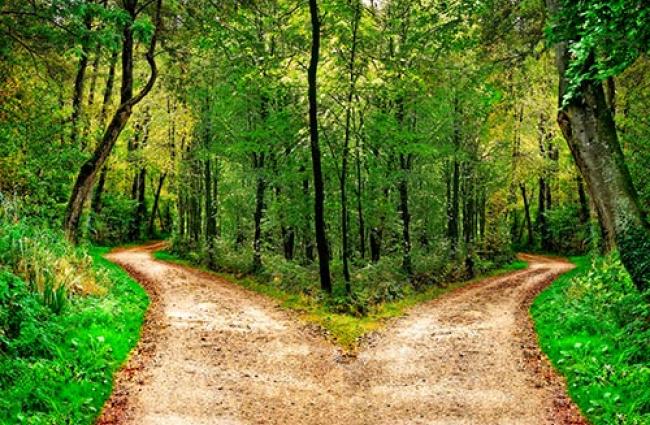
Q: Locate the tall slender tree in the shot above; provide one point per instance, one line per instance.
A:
(319, 187)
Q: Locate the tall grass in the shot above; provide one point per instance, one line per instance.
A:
(595, 327)
(68, 319)
(51, 267)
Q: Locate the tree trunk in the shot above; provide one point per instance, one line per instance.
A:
(319, 187)
(259, 212)
(156, 200)
(79, 82)
(88, 172)
(362, 224)
(584, 205)
(588, 126)
(529, 222)
(210, 220)
(405, 163)
(96, 204)
(541, 216)
(141, 210)
(307, 240)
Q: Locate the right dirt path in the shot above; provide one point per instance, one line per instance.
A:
(214, 353)
(469, 357)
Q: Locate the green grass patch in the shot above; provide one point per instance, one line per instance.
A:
(58, 368)
(344, 329)
(595, 327)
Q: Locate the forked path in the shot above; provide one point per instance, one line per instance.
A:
(214, 353)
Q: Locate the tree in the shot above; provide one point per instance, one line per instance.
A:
(319, 187)
(88, 172)
(579, 31)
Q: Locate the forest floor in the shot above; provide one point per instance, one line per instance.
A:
(215, 353)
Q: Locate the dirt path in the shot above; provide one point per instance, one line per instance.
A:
(214, 353)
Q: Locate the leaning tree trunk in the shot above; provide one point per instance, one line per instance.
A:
(319, 187)
(91, 167)
(588, 127)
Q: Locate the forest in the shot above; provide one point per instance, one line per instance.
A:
(293, 211)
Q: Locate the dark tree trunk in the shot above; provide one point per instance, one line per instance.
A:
(588, 126)
(308, 242)
(141, 208)
(88, 172)
(405, 163)
(259, 212)
(79, 82)
(541, 215)
(319, 187)
(583, 209)
(156, 201)
(454, 211)
(529, 222)
(96, 204)
(210, 218)
(362, 224)
(108, 91)
(377, 233)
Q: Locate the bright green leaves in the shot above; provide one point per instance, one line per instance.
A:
(605, 37)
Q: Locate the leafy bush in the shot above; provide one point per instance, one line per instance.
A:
(595, 327)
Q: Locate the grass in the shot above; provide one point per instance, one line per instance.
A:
(57, 368)
(344, 329)
(595, 328)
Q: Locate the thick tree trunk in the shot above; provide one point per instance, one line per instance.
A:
(88, 172)
(588, 126)
(319, 187)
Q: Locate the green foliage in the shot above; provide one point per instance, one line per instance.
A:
(379, 292)
(594, 326)
(52, 267)
(634, 245)
(56, 364)
(605, 36)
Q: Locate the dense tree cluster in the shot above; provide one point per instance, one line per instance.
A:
(417, 134)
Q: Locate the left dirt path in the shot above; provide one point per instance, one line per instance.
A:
(212, 351)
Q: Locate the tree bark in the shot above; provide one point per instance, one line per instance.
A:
(259, 211)
(529, 222)
(583, 210)
(588, 126)
(319, 189)
(79, 82)
(156, 201)
(90, 168)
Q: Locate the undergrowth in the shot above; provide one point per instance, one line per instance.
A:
(595, 327)
(57, 359)
(298, 290)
